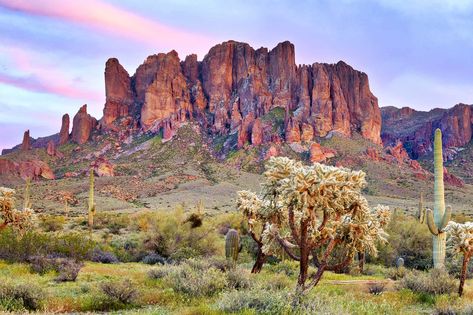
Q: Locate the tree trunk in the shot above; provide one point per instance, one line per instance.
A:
(260, 260)
(304, 262)
(466, 259)
(361, 261)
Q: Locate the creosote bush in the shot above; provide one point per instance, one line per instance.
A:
(51, 223)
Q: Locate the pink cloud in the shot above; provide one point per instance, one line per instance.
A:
(105, 17)
(35, 84)
(38, 75)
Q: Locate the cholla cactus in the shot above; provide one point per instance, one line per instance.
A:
(438, 219)
(460, 242)
(18, 220)
(310, 209)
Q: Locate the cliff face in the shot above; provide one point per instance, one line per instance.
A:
(236, 84)
(416, 128)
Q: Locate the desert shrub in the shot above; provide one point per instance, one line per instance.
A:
(113, 222)
(277, 282)
(435, 282)
(376, 288)
(172, 238)
(407, 239)
(67, 268)
(51, 223)
(14, 297)
(288, 267)
(238, 278)
(153, 259)
(104, 257)
(128, 248)
(19, 249)
(261, 301)
(396, 273)
(159, 273)
(454, 265)
(195, 278)
(123, 292)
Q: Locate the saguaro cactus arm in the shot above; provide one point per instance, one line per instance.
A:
(431, 223)
(446, 218)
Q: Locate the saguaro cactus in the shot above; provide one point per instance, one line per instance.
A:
(232, 246)
(421, 214)
(26, 195)
(91, 211)
(438, 219)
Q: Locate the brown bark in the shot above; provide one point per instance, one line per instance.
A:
(260, 260)
(304, 257)
(361, 261)
(466, 259)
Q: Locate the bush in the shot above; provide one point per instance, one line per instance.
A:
(195, 278)
(238, 279)
(407, 239)
(19, 249)
(14, 297)
(104, 257)
(376, 288)
(123, 292)
(172, 239)
(435, 282)
(68, 269)
(396, 273)
(159, 273)
(153, 259)
(454, 265)
(261, 301)
(52, 223)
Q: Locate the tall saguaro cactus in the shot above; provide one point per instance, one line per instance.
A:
(91, 211)
(438, 219)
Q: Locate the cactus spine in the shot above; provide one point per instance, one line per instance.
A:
(26, 196)
(438, 219)
(91, 211)
(232, 246)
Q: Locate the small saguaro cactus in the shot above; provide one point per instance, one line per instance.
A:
(91, 211)
(421, 213)
(26, 196)
(438, 219)
(232, 246)
(400, 262)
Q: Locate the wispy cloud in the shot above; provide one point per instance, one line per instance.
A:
(104, 17)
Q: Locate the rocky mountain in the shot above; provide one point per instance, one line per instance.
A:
(415, 129)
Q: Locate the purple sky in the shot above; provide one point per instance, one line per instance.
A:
(417, 53)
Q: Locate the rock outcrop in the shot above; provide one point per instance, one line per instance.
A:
(416, 128)
(33, 169)
(64, 132)
(319, 153)
(82, 126)
(118, 92)
(234, 81)
(26, 143)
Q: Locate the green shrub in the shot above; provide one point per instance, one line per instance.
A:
(19, 249)
(261, 301)
(407, 239)
(51, 223)
(396, 273)
(287, 267)
(238, 278)
(123, 292)
(435, 282)
(195, 278)
(15, 297)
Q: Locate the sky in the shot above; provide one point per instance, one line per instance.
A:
(416, 53)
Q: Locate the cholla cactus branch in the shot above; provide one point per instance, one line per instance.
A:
(20, 221)
(460, 242)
